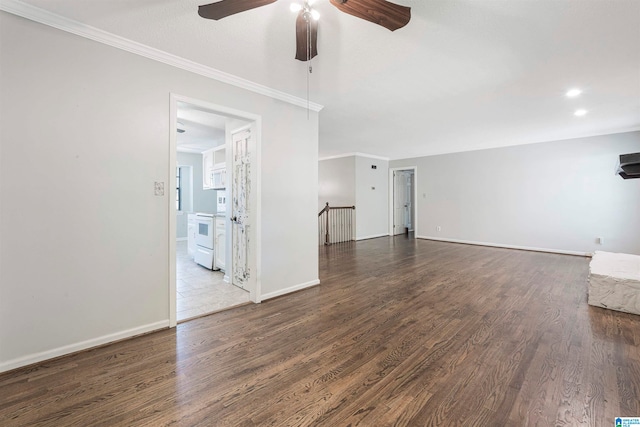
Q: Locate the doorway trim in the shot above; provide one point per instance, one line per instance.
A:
(256, 126)
(415, 197)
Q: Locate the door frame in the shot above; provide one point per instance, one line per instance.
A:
(414, 169)
(190, 194)
(256, 248)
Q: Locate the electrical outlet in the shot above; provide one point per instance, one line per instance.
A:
(438, 228)
(158, 188)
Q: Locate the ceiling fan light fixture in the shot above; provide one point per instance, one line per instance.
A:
(308, 12)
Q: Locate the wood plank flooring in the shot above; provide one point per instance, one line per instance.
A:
(400, 332)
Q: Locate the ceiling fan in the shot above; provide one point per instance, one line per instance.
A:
(381, 12)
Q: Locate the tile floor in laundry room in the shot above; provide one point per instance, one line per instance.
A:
(201, 291)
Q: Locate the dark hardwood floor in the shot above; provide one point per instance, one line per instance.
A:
(400, 332)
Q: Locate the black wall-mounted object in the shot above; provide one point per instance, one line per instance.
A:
(629, 166)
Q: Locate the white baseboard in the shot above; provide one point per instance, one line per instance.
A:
(500, 245)
(289, 290)
(226, 279)
(374, 236)
(181, 239)
(83, 345)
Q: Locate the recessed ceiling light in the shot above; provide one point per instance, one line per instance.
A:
(580, 113)
(573, 93)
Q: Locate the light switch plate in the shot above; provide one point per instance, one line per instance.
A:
(158, 188)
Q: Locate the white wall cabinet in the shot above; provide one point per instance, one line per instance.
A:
(214, 162)
(220, 242)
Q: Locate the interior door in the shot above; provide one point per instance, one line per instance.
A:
(241, 227)
(408, 190)
(399, 201)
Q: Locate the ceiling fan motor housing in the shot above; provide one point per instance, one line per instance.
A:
(382, 12)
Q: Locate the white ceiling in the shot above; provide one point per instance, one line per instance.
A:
(202, 130)
(461, 75)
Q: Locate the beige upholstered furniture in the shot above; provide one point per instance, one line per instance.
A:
(614, 281)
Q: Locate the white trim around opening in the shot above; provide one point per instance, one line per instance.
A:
(256, 125)
(415, 197)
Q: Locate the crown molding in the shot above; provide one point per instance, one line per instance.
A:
(371, 156)
(45, 17)
(339, 156)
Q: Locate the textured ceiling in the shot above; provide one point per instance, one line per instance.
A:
(461, 75)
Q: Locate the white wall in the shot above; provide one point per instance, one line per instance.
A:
(84, 255)
(372, 198)
(289, 197)
(337, 182)
(558, 195)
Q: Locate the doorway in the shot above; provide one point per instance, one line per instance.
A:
(207, 282)
(402, 198)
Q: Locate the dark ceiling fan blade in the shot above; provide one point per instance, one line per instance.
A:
(306, 43)
(381, 12)
(224, 8)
